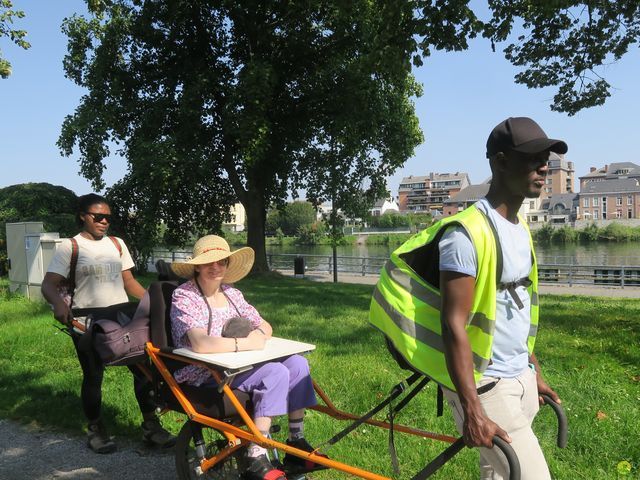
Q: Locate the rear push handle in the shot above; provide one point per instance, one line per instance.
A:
(455, 447)
(512, 458)
(562, 419)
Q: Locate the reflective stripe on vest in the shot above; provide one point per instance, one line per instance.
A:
(406, 307)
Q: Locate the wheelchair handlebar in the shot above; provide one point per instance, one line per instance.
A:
(512, 458)
(562, 419)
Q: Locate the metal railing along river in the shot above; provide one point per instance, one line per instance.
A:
(549, 273)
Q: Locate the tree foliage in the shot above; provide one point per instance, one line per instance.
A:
(213, 101)
(291, 217)
(566, 44)
(218, 101)
(53, 205)
(7, 16)
(390, 220)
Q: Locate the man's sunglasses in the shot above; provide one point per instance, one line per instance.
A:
(98, 217)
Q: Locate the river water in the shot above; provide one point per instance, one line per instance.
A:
(600, 253)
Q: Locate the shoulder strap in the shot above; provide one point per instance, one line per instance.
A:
(73, 264)
(496, 238)
(116, 243)
(206, 302)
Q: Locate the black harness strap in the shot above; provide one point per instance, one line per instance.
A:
(395, 392)
(508, 286)
(440, 402)
(391, 417)
(511, 288)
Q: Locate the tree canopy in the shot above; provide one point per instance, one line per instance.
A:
(566, 44)
(291, 217)
(27, 202)
(54, 205)
(217, 101)
(7, 16)
(212, 101)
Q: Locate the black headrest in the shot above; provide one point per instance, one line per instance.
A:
(165, 272)
(159, 313)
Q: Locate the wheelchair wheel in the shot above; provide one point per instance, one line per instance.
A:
(187, 460)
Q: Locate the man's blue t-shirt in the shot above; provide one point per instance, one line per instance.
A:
(457, 254)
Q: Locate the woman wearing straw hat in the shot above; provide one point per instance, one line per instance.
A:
(200, 310)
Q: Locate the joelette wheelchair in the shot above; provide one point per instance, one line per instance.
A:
(211, 443)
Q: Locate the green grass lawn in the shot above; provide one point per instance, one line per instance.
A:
(589, 349)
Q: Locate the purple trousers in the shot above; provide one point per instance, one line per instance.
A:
(278, 387)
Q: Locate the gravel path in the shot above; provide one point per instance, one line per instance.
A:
(28, 452)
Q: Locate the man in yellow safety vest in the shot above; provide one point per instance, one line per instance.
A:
(459, 302)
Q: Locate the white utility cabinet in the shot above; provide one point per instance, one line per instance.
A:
(29, 250)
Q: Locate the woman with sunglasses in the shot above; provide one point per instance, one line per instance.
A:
(102, 278)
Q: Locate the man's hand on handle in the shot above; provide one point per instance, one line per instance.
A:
(478, 431)
(546, 389)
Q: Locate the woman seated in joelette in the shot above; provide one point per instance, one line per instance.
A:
(200, 309)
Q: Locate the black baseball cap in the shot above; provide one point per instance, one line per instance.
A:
(521, 134)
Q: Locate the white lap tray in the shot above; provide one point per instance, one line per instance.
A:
(275, 348)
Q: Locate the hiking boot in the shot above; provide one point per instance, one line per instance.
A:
(260, 468)
(98, 440)
(156, 436)
(295, 464)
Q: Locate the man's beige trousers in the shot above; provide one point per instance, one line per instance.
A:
(512, 404)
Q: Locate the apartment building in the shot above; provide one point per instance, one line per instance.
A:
(560, 177)
(427, 194)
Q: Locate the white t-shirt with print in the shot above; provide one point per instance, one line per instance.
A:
(98, 272)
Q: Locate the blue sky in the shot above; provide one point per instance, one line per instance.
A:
(465, 95)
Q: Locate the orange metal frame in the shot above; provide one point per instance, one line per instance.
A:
(238, 436)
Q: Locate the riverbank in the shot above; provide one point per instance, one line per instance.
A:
(545, 288)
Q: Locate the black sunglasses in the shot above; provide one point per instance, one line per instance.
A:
(98, 217)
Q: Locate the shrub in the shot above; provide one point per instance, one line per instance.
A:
(311, 234)
(543, 234)
(564, 234)
(589, 233)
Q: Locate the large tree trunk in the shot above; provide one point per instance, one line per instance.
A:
(255, 230)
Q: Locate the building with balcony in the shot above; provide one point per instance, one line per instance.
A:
(558, 209)
(427, 194)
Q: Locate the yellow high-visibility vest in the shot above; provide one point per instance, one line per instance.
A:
(406, 306)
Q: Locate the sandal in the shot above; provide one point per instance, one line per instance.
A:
(260, 468)
(295, 464)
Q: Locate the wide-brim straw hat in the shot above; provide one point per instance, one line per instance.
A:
(212, 248)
